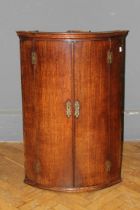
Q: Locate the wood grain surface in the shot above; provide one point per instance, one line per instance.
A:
(92, 131)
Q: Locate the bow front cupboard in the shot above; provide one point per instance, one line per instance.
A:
(73, 103)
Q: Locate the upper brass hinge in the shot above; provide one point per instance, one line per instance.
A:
(34, 57)
(109, 57)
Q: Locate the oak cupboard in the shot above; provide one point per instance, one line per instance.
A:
(73, 103)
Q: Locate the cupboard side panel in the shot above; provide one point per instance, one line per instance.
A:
(116, 107)
(28, 105)
(92, 126)
(54, 128)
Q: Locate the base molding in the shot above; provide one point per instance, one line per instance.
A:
(74, 189)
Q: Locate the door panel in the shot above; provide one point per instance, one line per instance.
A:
(92, 125)
(54, 128)
(28, 96)
(116, 107)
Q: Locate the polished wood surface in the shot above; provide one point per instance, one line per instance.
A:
(116, 107)
(73, 153)
(15, 195)
(92, 131)
(29, 106)
(53, 89)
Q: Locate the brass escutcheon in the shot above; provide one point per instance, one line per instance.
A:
(68, 108)
(77, 109)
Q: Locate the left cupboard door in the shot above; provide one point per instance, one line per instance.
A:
(51, 144)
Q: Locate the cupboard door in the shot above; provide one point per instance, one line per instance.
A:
(92, 125)
(54, 128)
(28, 96)
(116, 107)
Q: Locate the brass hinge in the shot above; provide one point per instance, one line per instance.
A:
(37, 167)
(34, 57)
(108, 166)
(109, 57)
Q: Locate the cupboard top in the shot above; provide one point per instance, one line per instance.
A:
(71, 34)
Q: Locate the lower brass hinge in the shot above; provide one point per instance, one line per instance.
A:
(108, 166)
(37, 167)
(34, 57)
(109, 57)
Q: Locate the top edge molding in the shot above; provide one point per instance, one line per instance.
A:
(72, 34)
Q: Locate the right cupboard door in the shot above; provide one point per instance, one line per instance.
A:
(92, 81)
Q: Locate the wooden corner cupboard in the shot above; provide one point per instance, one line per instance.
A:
(73, 104)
